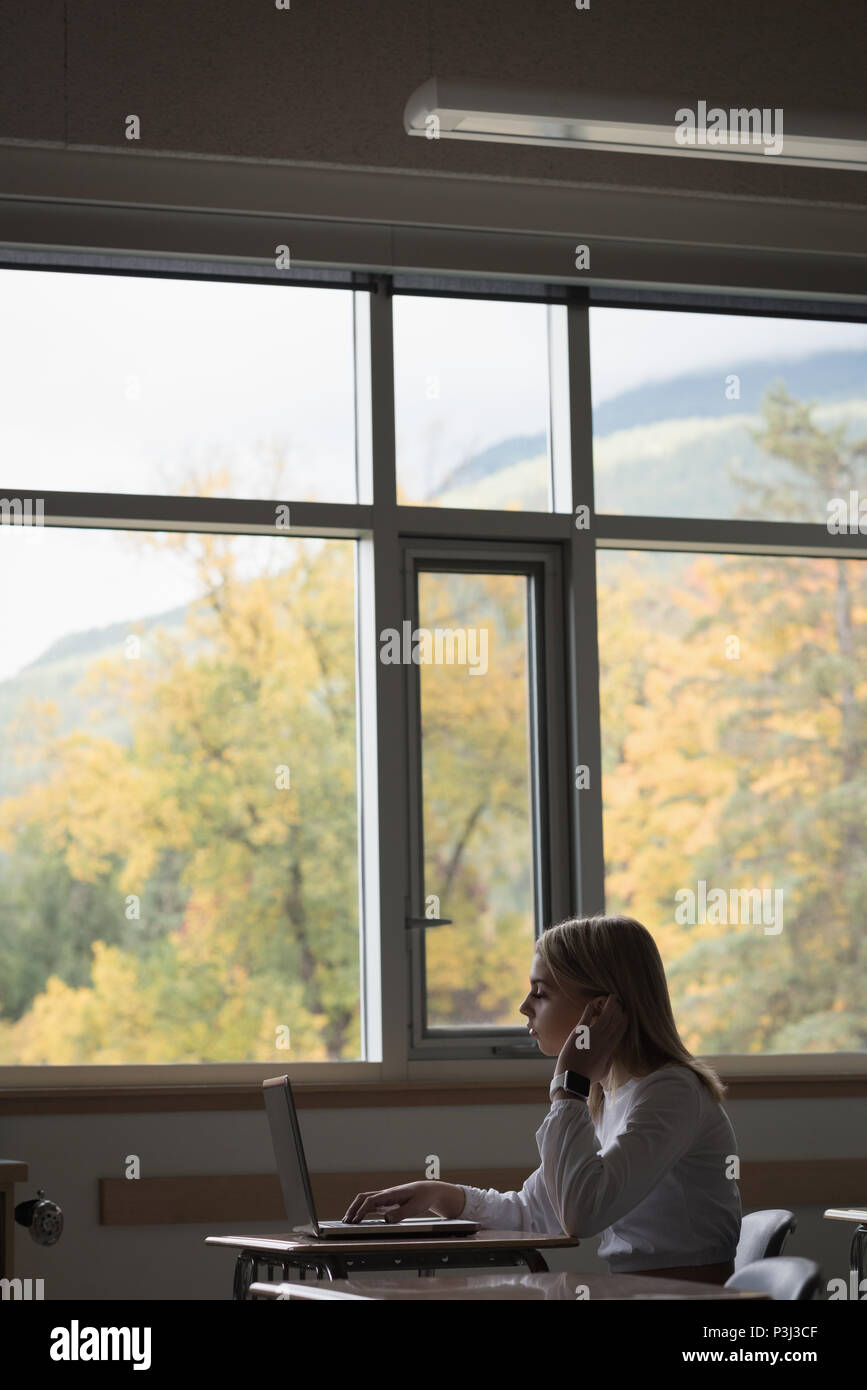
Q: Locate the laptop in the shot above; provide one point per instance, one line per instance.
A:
(298, 1195)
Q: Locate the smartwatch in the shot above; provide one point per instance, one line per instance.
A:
(572, 1082)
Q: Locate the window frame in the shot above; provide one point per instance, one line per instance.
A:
(380, 529)
(553, 872)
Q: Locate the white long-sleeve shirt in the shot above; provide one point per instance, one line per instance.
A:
(652, 1178)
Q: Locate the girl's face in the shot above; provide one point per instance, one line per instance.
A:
(551, 1016)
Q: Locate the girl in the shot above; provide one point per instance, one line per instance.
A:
(645, 1158)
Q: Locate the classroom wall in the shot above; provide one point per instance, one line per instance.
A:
(68, 1154)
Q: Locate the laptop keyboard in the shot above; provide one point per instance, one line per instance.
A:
(368, 1221)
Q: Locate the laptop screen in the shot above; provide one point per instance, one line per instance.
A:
(289, 1153)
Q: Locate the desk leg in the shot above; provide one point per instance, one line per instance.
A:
(856, 1256)
(535, 1262)
(246, 1267)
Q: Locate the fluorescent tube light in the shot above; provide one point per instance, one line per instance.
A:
(455, 109)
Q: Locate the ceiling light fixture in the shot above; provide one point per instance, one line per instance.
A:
(455, 109)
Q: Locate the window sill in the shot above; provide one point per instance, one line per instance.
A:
(112, 1098)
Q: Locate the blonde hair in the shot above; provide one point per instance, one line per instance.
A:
(617, 955)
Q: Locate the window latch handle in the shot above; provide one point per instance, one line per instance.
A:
(428, 922)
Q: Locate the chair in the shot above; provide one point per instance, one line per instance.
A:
(763, 1234)
(786, 1278)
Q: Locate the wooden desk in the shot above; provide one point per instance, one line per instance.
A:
(338, 1259)
(12, 1170)
(490, 1287)
(856, 1249)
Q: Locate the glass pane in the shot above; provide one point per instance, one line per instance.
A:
(734, 709)
(471, 403)
(138, 384)
(177, 768)
(478, 813)
(698, 415)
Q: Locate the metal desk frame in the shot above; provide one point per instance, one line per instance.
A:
(338, 1266)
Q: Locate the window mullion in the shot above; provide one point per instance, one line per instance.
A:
(391, 749)
(582, 642)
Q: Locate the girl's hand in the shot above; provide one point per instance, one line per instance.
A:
(607, 1023)
(408, 1199)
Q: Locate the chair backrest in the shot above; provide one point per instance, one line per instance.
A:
(785, 1278)
(763, 1233)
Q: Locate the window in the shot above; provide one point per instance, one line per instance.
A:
(173, 386)
(490, 768)
(178, 761)
(733, 692)
(732, 683)
(691, 413)
(324, 688)
(180, 711)
(473, 401)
